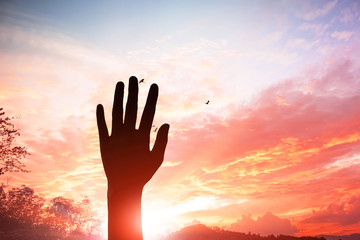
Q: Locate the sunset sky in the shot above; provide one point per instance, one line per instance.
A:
(276, 150)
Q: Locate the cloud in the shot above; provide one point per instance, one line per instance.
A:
(264, 225)
(343, 35)
(318, 29)
(170, 164)
(49, 44)
(163, 39)
(342, 212)
(350, 14)
(302, 43)
(298, 136)
(193, 222)
(272, 37)
(320, 12)
(289, 121)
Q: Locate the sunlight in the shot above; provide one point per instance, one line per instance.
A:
(157, 221)
(104, 226)
(160, 220)
(155, 224)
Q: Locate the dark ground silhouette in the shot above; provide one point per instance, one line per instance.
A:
(355, 236)
(202, 232)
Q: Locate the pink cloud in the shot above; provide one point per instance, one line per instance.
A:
(311, 119)
(193, 222)
(264, 225)
(275, 154)
(342, 212)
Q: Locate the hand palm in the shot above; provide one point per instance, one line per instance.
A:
(126, 156)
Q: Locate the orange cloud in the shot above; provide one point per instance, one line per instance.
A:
(293, 158)
(338, 218)
(264, 225)
(343, 212)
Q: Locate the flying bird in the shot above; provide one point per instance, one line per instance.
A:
(155, 129)
(142, 81)
(207, 102)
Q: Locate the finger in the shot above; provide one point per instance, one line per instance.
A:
(149, 110)
(117, 111)
(160, 143)
(103, 131)
(131, 105)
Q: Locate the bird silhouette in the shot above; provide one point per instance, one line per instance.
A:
(155, 129)
(207, 102)
(142, 81)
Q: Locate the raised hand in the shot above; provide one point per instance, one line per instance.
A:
(128, 161)
(126, 152)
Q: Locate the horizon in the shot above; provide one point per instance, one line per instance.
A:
(262, 101)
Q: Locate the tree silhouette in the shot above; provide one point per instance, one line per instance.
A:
(10, 155)
(27, 215)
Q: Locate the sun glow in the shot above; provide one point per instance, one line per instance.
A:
(160, 220)
(104, 226)
(155, 223)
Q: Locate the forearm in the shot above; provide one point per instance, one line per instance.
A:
(124, 213)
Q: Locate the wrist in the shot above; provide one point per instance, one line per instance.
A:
(124, 212)
(124, 189)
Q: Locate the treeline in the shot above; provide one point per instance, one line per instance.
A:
(202, 232)
(26, 215)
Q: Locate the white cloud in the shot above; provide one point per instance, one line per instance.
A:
(343, 35)
(301, 43)
(315, 28)
(193, 222)
(171, 164)
(320, 12)
(272, 37)
(163, 39)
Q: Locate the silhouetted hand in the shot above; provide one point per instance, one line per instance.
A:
(126, 153)
(128, 162)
